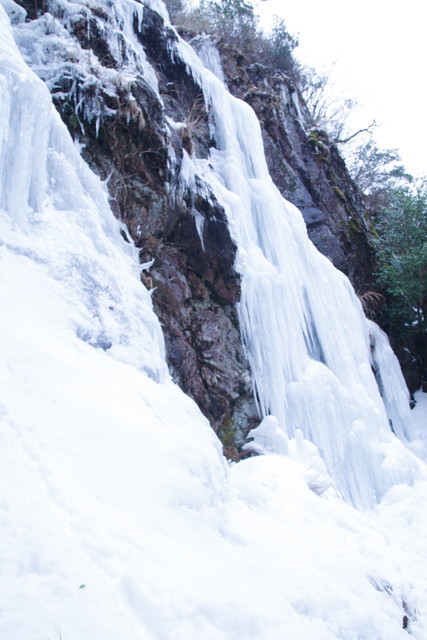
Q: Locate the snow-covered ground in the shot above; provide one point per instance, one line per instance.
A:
(119, 517)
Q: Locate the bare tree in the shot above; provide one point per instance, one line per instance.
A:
(328, 109)
(377, 172)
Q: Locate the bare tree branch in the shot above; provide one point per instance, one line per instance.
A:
(369, 129)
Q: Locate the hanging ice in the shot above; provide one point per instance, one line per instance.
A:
(118, 515)
(308, 342)
(307, 338)
(209, 55)
(48, 192)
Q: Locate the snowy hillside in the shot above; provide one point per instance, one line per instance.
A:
(119, 516)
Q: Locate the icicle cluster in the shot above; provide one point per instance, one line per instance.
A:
(48, 195)
(308, 341)
(119, 516)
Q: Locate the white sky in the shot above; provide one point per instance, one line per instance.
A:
(380, 52)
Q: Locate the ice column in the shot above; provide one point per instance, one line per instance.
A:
(307, 338)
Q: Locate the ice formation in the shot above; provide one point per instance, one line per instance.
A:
(46, 187)
(308, 341)
(311, 351)
(119, 518)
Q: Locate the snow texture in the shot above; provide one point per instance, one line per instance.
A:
(119, 517)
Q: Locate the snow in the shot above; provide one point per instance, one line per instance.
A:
(417, 426)
(391, 382)
(308, 341)
(119, 517)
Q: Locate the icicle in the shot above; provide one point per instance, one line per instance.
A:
(50, 196)
(200, 225)
(209, 55)
(390, 381)
(306, 335)
(307, 339)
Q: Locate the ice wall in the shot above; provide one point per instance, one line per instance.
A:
(308, 341)
(55, 212)
(119, 517)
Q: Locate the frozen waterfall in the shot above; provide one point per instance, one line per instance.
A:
(308, 341)
(48, 192)
(119, 515)
(317, 365)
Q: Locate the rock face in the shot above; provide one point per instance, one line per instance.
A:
(139, 144)
(193, 272)
(305, 165)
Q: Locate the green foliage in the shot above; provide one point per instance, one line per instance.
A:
(226, 435)
(341, 195)
(237, 12)
(401, 249)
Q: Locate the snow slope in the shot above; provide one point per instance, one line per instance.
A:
(119, 517)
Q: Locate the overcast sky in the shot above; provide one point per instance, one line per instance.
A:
(379, 48)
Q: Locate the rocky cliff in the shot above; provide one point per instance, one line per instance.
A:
(304, 164)
(140, 145)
